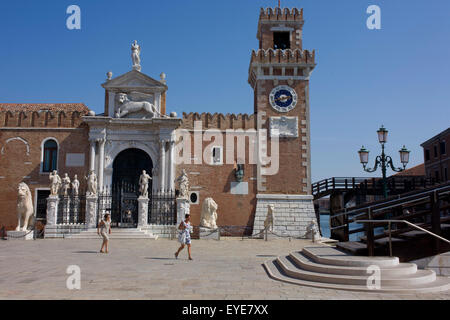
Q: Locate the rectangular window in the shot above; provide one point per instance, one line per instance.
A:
(217, 155)
(50, 156)
(427, 155)
(281, 40)
(442, 147)
(435, 151)
(445, 174)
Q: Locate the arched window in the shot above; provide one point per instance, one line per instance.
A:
(50, 160)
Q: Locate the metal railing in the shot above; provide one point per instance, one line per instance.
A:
(401, 221)
(421, 199)
(395, 184)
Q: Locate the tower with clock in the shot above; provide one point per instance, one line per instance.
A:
(279, 74)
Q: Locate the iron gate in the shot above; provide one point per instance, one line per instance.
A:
(162, 208)
(121, 202)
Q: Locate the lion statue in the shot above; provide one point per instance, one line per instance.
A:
(209, 214)
(126, 106)
(25, 211)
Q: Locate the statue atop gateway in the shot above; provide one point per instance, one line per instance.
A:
(135, 95)
(136, 56)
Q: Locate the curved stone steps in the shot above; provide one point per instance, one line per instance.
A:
(329, 268)
(441, 284)
(329, 255)
(420, 277)
(306, 263)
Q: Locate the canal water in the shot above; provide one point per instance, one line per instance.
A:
(325, 228)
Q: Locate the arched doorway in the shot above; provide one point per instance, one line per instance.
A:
(127, 168)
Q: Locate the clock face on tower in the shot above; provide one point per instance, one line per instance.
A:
(283, 98)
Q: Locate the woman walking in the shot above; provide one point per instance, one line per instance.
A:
(103, 229)
(185, 236)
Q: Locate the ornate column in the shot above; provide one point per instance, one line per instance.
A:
(51, 229)
(91, 211)
(162, 166)
(52, 210)
(92, 155)
(171, 185)
(142, 212)
(101, 161)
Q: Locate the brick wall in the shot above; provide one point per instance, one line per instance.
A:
(215, 180)
(438, 164)
(20, 157)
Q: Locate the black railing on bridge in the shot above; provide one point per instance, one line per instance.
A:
(371, 186)
(335, 183)
(427, 207)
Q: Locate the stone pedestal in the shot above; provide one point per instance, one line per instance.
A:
(183, 208)
(20, 235)
(207, 233)
(291, 217)
(91, 211)
(52, 210)
(142, 212)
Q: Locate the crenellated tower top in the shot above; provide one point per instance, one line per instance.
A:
(280, 28)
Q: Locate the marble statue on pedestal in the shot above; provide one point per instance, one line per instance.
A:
(25, 210)
(55, 183)
(91, 184)
(183, 182)
(135, 55)
(143, 184)
(75, 186)
(268, 223)
(65, 185)
(209, 214)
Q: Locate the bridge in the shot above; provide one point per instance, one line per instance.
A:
(403, 222)
(369, 186)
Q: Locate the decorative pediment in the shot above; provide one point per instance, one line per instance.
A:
(135, 80)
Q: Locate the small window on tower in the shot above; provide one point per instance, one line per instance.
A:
(281, 40)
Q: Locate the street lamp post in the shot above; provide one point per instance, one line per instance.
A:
(383, 160)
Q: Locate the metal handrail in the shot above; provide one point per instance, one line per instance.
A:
(401, 221)
(400, 199)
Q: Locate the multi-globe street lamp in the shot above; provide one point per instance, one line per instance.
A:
(384, 160)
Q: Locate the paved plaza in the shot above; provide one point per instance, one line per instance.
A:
(146, 269)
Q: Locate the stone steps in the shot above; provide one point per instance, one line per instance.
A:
(116, 234)
(304, 262)
(327, 267)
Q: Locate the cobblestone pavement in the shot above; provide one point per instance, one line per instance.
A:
(146, 269)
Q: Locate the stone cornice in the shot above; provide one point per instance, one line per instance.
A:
(130, 122)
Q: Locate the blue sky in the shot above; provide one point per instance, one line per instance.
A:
(397, 76)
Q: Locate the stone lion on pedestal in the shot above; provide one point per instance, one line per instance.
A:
(25, 211)
(209, 214)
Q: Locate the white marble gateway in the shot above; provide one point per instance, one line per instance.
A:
(133, 119)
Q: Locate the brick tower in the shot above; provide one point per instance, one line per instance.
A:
(279, 75)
